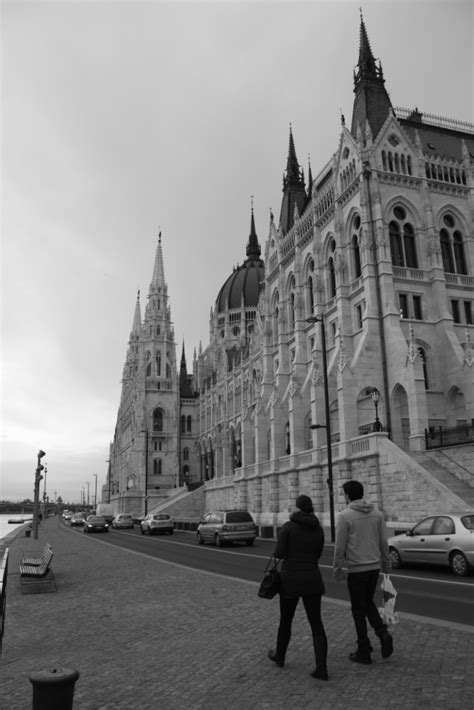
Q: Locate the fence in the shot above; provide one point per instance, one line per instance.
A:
(439, 437)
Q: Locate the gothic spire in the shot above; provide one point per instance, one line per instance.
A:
(372, 102)
(185, 390)
(253, 247)
(137, 318)
(158, 280)
(294, 192)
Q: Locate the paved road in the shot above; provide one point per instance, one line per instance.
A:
(435, 592)
(144, 633)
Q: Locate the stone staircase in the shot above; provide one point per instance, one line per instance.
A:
(461, 488)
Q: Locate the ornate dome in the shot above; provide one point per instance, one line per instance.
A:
(244, 282)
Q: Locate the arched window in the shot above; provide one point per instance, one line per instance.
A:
(185, 454)
(291, 303)
(148, 369)
(355, 247)
(183, 424)
(188, 423)
(452, 246)
(422, 355)
(158, 364)
(158, 330)
(332, 278)
(158, 420)
(402, 239)
(287, 438)
(276, 315)
(157, 467)
(168, 370)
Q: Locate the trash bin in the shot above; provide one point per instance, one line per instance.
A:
(53, 689)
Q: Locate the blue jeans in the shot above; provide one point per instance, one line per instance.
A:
(362, 586)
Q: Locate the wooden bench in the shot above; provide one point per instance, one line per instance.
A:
(38, 574)
(36, 561)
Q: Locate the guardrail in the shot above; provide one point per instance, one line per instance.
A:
(440, 437)
(3, 592)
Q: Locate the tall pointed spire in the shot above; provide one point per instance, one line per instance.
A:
(137, 318)
(310, 179)
(158, 279)
(185, 390)
(253, 247)
(294, 192)
(372, 102)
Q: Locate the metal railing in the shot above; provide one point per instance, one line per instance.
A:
(449, 436)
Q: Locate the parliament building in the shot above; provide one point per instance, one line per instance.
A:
(341, 347)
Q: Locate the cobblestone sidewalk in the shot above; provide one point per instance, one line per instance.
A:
(147, 634)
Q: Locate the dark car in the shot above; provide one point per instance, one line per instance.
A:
(226, 526)
(77, 520)
(95, 523)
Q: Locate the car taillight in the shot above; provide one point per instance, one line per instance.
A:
(225, 528)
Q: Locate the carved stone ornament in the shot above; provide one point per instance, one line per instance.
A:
(468, 354)
(274, 398)
(413, 354)
(294, 387)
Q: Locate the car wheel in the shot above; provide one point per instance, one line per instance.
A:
(250, 542)
(142, 530)
(395, 558)
(150, 531)
(219, 542)
(200, 539)
(171, 532)
(459, 564)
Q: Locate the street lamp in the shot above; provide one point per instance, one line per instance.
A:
(95, 491)
(375, 394)
(327, 426)
(38, 477)
(87, 484)
(145, 431)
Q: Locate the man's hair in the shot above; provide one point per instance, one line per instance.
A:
(353, 489)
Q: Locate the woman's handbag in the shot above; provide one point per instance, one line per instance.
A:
(270, 584)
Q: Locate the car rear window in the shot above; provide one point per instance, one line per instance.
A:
(161, 517)
(468, 521)
(240, 516)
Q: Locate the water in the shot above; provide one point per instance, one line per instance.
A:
(11, 529)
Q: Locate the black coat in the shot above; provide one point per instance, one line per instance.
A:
(300, 545)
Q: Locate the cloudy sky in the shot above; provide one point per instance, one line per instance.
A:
(123, 118)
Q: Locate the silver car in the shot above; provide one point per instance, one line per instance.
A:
(445, 539)
(122, 520)
(226, 526)
(155, 523)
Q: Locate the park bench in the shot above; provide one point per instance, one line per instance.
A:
(36, 561)
(38, 574)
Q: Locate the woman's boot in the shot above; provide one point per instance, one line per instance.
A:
(320, 644)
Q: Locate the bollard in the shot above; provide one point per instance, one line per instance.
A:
(53, 689)
(27, 532)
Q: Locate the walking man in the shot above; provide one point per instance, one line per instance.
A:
(361, 544)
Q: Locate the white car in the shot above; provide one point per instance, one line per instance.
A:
(122, 520)
(444, 539)
(157, 523)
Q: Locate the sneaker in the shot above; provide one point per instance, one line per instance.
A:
(358, 657)
(386, 644)
(276, 659)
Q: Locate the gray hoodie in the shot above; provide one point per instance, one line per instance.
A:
(361, 539)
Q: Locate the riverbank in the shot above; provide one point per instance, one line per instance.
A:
(146, 633)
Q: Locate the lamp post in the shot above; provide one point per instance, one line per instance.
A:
(95, 492)
(375, 394)
(327, 426)
(145, 508)
(87, 484)
(38, 478)
(45, 497)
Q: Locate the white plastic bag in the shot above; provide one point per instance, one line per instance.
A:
(387, 610)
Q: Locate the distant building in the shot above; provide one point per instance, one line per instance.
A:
(380, 245)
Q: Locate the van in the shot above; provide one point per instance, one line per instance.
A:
(106, 510)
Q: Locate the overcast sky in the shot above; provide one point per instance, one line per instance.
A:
(121, 118)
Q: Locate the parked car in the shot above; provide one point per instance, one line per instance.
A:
(67, 515)
(157, 523)
(445, 539)
(227, 526)
(122, 520)
(95, 523)
(77, 519)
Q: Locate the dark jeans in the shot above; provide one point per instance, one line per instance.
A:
(362, 586)
(312, 606)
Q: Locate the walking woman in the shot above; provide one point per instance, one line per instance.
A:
(300, 544)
